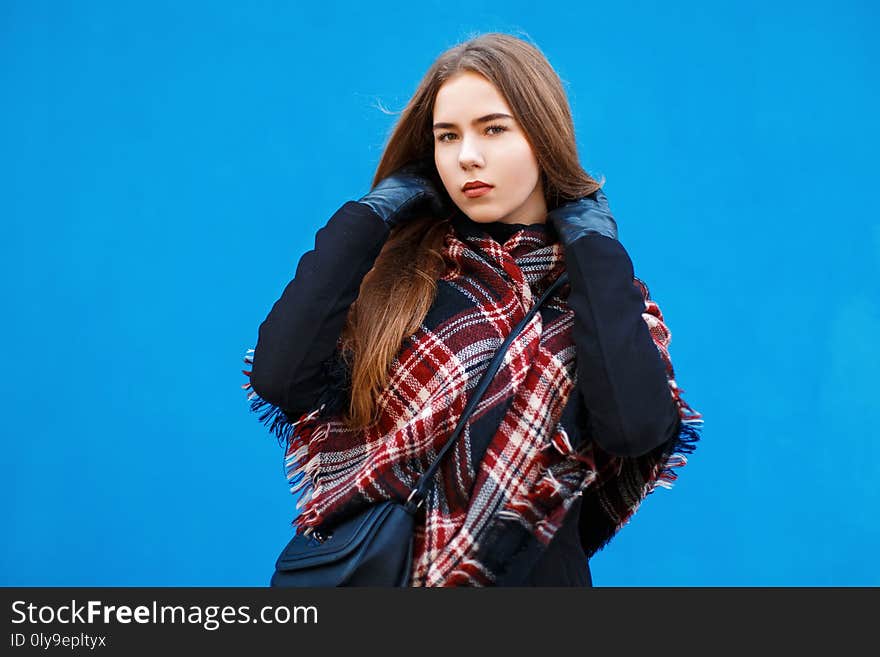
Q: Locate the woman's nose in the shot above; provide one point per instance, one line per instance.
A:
(469, 155)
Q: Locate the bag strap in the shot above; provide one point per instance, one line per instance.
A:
(418, 494)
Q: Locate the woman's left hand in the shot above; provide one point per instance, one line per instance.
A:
(589, 214)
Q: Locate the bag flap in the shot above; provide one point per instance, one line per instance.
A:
(345, 538)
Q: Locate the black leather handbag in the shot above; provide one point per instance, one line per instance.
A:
(374, 547)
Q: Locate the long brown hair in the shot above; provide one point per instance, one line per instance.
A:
(398, 291)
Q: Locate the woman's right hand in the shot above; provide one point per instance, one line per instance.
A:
(405, 194)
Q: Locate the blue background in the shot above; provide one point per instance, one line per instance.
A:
(165, 164)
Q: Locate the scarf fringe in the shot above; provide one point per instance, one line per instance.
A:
(685, 443)
(303, 473)
(608, 517)
(295, 436)
(271, 416)
(689, 434)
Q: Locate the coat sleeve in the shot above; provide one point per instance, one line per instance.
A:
(621, 371)
(297, 342)
(642, 428)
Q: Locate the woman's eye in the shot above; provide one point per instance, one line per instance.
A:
(499, 128)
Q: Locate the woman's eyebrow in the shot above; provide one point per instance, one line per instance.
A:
(482, 119)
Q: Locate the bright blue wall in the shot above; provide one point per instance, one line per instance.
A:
(165, 165)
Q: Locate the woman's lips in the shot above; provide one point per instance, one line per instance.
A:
(474, 192)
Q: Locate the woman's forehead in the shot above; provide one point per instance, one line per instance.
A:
(468, 96)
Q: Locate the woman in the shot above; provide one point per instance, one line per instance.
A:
(365, 363)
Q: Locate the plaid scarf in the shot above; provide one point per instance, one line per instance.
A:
(501, 493)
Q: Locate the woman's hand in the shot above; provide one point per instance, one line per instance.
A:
(405, 194)
(590, 214)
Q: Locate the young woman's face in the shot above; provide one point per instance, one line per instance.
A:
(470, 144)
